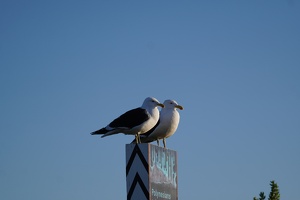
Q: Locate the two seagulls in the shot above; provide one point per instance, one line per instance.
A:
(146, 122)
(166, 125)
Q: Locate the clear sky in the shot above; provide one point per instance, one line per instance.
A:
(68, 68)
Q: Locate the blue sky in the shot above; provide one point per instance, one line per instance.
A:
(68, 68)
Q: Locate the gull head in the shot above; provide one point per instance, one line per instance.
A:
(152, 102)
(172, 104)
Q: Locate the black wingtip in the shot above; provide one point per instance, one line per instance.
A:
(99, 132)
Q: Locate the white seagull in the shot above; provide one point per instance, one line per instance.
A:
(134, 122)
(166, 126)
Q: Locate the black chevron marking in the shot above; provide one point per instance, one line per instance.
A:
(137, 151)
(137, 179)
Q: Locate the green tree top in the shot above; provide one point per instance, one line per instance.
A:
(274, 194)
(262, 196)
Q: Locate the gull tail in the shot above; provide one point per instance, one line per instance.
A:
(108, 133)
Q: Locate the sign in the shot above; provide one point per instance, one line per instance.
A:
(151, 172)
(163, 174)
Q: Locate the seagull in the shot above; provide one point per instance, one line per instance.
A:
(166, 125)
(134, 122)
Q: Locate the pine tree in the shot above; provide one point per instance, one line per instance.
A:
(274, 194)
(262, 196)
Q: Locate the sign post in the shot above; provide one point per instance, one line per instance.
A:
(151, 172)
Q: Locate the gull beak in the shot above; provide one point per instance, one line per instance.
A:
(179, 107)
(161, 105)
